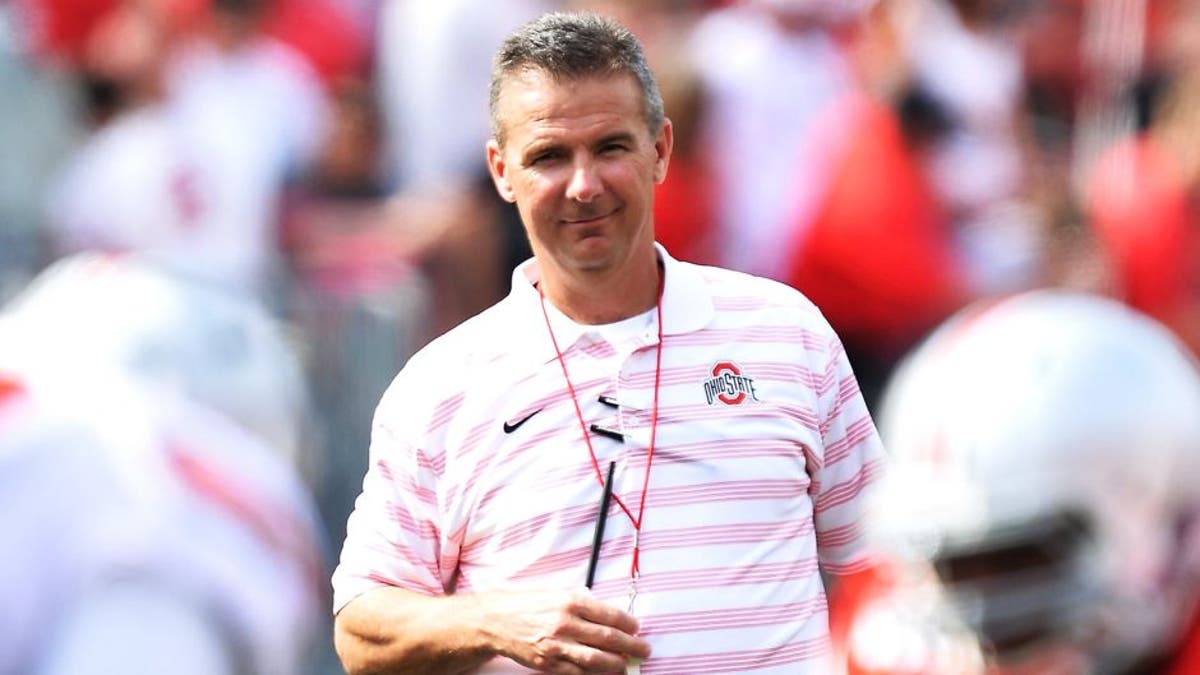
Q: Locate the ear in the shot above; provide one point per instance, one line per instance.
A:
(498, 167)
(662, 149)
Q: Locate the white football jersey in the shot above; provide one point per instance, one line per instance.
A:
(108, 490)
(153, 512)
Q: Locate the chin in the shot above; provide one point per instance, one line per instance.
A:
(592, 264)
(592, 255)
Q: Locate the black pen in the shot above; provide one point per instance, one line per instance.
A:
(598, 538)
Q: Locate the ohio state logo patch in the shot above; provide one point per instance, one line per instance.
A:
(728, 385)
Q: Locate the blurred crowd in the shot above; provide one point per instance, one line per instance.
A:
(321, 163)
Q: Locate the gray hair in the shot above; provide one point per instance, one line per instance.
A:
(574, 45)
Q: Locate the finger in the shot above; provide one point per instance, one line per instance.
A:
(566, 657)
(564, 668)
(611, 640)
(593, 660)
(609, 628)
(597, 611)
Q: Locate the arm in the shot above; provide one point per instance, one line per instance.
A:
(392, 630)
(849, 464)
(395, 611)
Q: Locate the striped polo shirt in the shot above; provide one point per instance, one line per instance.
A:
(480, 479)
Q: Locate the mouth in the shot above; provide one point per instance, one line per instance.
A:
(583, 221)
(589, 218)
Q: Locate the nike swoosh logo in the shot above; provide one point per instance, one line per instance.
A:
(510, 427)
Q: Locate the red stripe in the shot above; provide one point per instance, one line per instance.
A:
(850, 489)
(857, 432)
(272, 523)
(726, 535)
(652, 581)
(445, 411)
(784, 335)
(740, 661)
(725, 491)
(732, 618)
(840, 536)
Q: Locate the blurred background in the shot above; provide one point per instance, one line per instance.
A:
(321, 161)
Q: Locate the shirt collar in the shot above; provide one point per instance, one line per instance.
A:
(687, 307)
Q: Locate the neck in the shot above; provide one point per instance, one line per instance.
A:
(607, 299)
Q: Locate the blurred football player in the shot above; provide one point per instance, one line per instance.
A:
(1040, 516)
(153, 517)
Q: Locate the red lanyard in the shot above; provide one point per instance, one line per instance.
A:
(635, 521)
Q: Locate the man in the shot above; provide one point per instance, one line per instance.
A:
(721, 405)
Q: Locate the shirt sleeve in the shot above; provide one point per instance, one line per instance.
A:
(852, 462)
(393, 537)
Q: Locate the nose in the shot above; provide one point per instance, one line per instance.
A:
(585, 184)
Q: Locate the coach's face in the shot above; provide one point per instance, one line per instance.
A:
(580, 163)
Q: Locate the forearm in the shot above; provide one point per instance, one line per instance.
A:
(395, 631)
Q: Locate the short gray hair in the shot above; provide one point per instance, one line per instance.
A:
(574, 45)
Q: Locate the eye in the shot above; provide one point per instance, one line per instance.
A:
(543, 158)
(613, 148)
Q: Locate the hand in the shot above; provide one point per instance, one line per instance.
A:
(566, 633)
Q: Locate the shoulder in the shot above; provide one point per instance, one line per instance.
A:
(469, 346)
(440, 373)
(754, 298)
